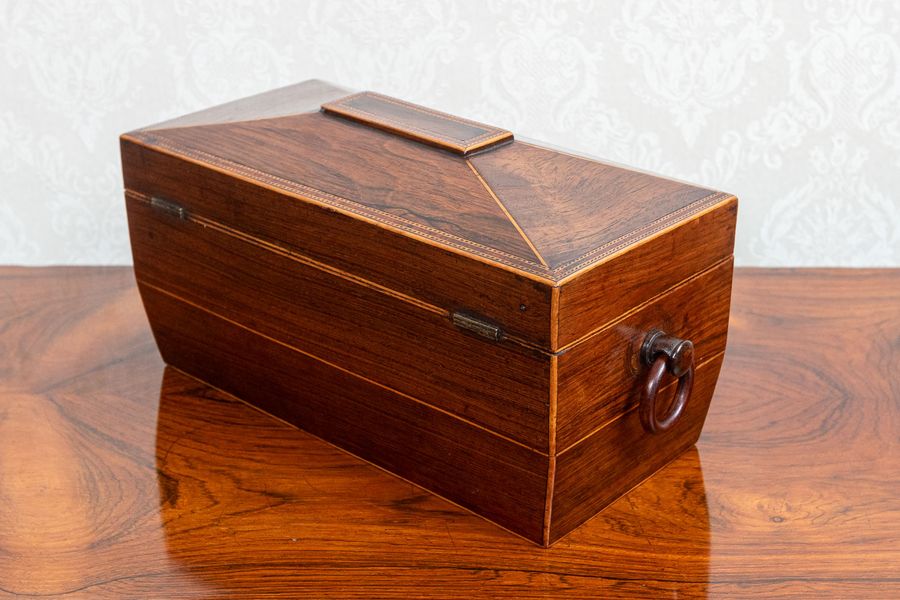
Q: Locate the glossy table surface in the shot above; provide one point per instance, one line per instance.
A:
(120, 478)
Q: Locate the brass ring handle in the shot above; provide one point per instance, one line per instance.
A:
(665, 353)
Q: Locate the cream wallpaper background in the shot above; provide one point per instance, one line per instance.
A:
(792, 105)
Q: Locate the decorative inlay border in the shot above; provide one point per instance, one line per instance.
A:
(346, 108)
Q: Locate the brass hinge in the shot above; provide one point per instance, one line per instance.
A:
(477, 325)
(168, 206)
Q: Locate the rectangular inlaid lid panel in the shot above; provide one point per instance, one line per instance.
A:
(419, 123)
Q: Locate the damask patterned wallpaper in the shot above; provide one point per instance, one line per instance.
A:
(794, 106)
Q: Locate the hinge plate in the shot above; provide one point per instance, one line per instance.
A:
(168, 206)
(469, 322)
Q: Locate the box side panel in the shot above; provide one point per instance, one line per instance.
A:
(601, 376)
(500, 386)
(492, 477)
(613, 460)
(410, 266)
(601, 293)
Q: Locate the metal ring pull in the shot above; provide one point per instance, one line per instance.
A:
(665, 353)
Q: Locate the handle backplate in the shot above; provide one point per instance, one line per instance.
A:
(665, 354)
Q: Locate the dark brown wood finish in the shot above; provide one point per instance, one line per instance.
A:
(570, 206)
(600, 294)
(549, 217)
(430, 273)
(387, 178)
(305, 307)
(601, 377)
(478, 470)
(122, 479)
(214, 297)
(268, 225)
(590, 475)
(418, 123)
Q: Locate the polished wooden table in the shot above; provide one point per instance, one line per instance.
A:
(120, 478)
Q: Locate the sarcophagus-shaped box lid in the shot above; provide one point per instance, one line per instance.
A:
(456, 215)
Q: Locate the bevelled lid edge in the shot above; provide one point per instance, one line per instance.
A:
(458, 135)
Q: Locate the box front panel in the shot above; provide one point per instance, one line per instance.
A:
(600, 377)
(413, 350)
(495, 478)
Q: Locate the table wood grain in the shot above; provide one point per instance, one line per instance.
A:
(120, 478)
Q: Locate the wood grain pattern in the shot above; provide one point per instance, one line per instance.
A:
(418, 123)
(495, 233)
(404, 183)
(600, 378)
(367, 334)
(429, 272)
(570, 205)
(602, 293)
(402, 346)
(573, 208)
(478, 470)
(590, 475)
(544, 216)
(122, 479)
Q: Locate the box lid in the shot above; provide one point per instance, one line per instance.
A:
(470, 189)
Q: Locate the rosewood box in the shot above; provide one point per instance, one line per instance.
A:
(526, 332)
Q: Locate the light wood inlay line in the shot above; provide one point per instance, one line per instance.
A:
(338, 367)
(485, 254)
(554, 317)
(326, 268)
(619, 318)
(551, 469)
(665, 391)
(507, 213)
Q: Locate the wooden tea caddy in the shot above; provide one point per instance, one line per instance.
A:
(526, 332)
